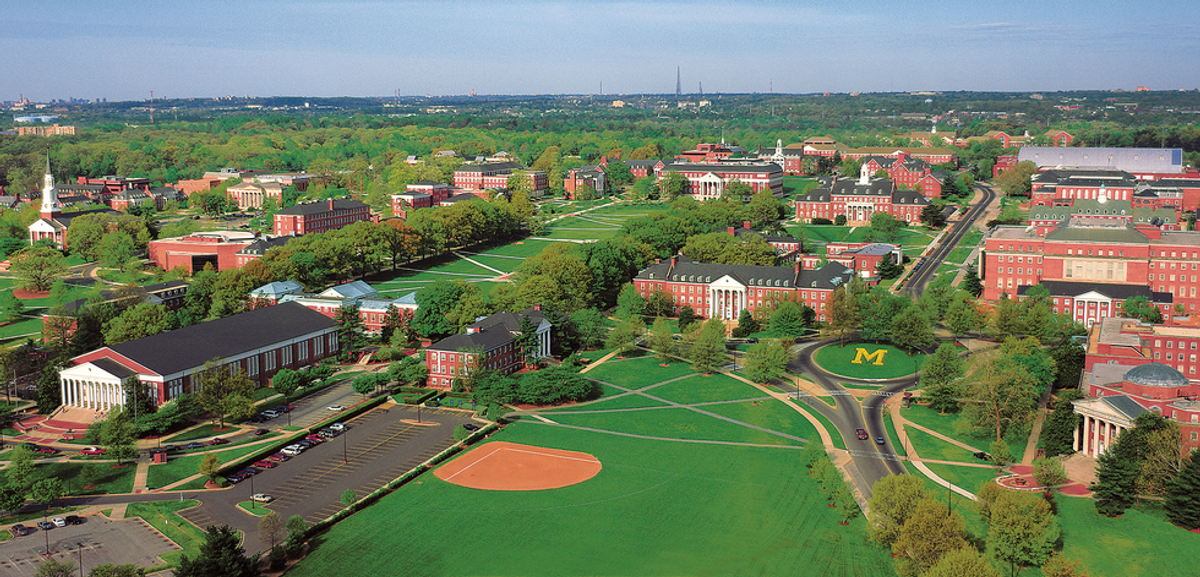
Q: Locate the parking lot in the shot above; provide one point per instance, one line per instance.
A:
(377, 447)
(97, 541)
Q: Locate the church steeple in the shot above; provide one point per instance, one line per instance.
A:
(49, 194)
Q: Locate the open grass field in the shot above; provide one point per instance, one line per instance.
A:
(675, 423)
(105, 477)
(700, 389)
(930, 447)
(637, 373)
(656, 508)
(24, 326)
(969, 478)
(839, 360)
(948, 425)
(1140, 543)
(625, 401)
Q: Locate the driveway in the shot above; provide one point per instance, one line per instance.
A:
(96, 542)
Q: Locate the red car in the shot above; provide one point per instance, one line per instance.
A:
(93, 451)
(266, 464)
(218, 441)
(280, 457)
(862, 434)
(316, 438)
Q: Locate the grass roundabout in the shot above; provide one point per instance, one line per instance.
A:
(863, 360)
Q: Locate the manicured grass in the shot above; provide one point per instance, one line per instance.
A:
(673, 424)
(254, 508)
(522, 248)
(900, 449)
(162, 515)
(1137, 544)
(629, 401)
(969, 478)
(840, 361)
(949, 425)
(637, 373)
(106, 478)
(642, 515)
(769, 414)
(930, 447)
(838, 442)
(181, 467)
(201, 432)
(21, 327)
(959, 255)
(700, 389)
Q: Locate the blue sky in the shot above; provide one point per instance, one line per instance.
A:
(122, 50)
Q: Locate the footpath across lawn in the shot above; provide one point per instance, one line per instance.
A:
(655, 508)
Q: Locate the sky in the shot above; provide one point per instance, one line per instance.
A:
(123, 50)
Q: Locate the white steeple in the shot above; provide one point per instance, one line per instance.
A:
(779, 146)
(49, 193)
(864, 175)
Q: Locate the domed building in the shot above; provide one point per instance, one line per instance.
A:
(1119, 393)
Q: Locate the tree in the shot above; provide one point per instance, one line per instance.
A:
(965, 562)
(788, 319)
(884, 227)
(11, 307)
(1140, 307)
(964, 317)
(350, 329)
(673, 185)
(435, 302)
(1115, 488)
(368, 383)
(117, 433)
(940, 375)
(1058, 432)
(1049, 471)
(971, 282)
(588, 326)
(746, 325)
(1183, 496)
(47, 491)
(999, 454)
(49, 395)
(624, 336)
(138, 321)
(1022, 529)
(911, 330)
(708, 352)
(349, 498)
(930, 532)
(888, 268)
(122, 570)
(1007, 320)
(893, 500)
(931, 215)
(52, 567)
(225, 392)
(659, 304)
(286, 382)
(210, 466)
(687, 316)
(1000, 394)
(629, 302)
(841, 313)
(1015, 181)
(219, 556)
(737, 191)
(1163, 457)
(1059, 566)
(20, 471)
(37, 267)
(412, 370)
(297, 528)
(116, 249)
(764, 208)
(270, 527)
(765, 362)
(661, 340)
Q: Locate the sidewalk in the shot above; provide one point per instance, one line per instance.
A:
(900, 422)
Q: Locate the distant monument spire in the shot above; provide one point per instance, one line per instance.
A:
(49, 193)
(678, 86)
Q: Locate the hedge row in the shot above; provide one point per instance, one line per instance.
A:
(421, 399)
(324, 524)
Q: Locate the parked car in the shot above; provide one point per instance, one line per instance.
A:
(48, 450)
(233, 479)
(59, 522)
(862, 434)
(93, 451)
(75, 520)
(20, 530)
(280, 457)
(339, 427)
(471, 426)
(258, 432)
(292, 450)
(316, 438)
(218, 441)
(248, 472)
(328, 433)
(172, 448)
(261, 498)
(306, 443)
(336, 408)
(45, 525)
(194, 445)
(283, 408)
(266, 464)
(270, 413)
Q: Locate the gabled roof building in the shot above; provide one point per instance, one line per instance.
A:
(488, 343)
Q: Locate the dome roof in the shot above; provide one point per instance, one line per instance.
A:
(1156, 375)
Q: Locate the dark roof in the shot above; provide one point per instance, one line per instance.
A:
(262, 245)
(428, 183)
(322, 206)
(1122, 292)
(512, 321)
(722, 167)
(490, 167)
(1122, 234)
(114, 368)
(1124, 405)
(190, 347)
(485, 339)
(686, 270)
(66, 218)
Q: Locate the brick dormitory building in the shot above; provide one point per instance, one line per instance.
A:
(859, 199)
(320, 216)
(489, 343)
(259, 342)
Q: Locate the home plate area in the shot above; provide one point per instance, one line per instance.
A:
(501, 466)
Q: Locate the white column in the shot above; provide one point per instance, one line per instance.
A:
(1075, 441)
(1096, 424)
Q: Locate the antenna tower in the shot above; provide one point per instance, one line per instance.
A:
(701, 90)
(151, 107)
(678, 86)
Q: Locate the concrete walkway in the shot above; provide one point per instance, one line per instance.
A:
(477, 263)
(900, 422)
(1036, 431)
(139, 478)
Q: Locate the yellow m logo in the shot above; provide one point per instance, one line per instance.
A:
(861, 354)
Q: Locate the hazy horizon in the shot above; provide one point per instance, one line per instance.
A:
(318, 48)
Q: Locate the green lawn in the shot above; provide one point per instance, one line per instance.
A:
(181, 467)
(628, 401)
(948, 425)
(162, 516)
(201, 432)
(840, 360)
(901, 449)
(930, 447)
(769, 414)
(1137, 544)
(969, 478)
(22, 327)
(636, 373)
(656, 508)
(700, 388)
(676, 423)
(105, 477)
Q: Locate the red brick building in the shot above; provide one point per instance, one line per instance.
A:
(170, 294)
(259, 342)
(644, 168)
(709, 152)
(1097, 253)
(930, 155)
(859, 199)
(320, 216)
(115, 184)
(494, 175)
(52, 224)
(708, 181)
(193, 252)
(489, 343)
(723, 291)
(587, 175)
(861, 257)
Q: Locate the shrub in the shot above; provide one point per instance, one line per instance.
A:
(278, 557)
(822, 221)
(433, 403)
(461, 433)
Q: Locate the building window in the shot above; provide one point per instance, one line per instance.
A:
(252, 366)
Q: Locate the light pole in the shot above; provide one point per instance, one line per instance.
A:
(80, 547)
(253, 503)
(344, 459)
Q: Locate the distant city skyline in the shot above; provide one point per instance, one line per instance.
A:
(59, 49)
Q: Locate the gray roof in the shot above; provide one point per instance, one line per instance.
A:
(1156, 375)
(1122, 292)
(321, 206)
(190, 347)
(278, 288)
(767, 168)
(1093, 234)
(114, 368)
(828, 277)
(1166, 160)
(490, 167)
(485, 339)
(1124, 405)
(262, 245)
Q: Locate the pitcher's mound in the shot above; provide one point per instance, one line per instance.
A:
(501, 466)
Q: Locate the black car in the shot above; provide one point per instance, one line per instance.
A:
(233, 479)
(75, 520)
(306, 443)
(194, 445)
(982, 455)
(471, 426)
(283, 408)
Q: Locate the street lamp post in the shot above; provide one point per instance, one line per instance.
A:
(344, 459)
(253, 503)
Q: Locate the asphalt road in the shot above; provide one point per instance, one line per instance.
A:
(872, 461)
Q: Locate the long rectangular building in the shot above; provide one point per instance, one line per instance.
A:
(707, 181)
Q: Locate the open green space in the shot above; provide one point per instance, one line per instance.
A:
(25, 326)
(1140, 543)
(678, 423)
(200, 432)
(959, 255)
(177, 468)
(949, 425)
(625, 401)
(700, 389)
(656, 508)
(798, 184)
(163, 516)
(522, 248)
(769, 414)
(636, 373)
(930, 447)
(893, 439)
(854, 360)
(969, 478)
(103, 477)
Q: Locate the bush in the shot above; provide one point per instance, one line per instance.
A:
(278, 557)
(461, 433)
(433, 403)
(822, 221)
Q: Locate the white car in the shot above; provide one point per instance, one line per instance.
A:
(338, 426)
(59, 522)
(292, 450)
(336, 408)
(261, 498)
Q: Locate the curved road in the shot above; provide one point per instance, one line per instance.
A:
(872, 461)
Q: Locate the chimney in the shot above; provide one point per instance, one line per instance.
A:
(746, 224)
(472, 330)
(730, 230)
(331, 204)
(798, 267)
(674, 261)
